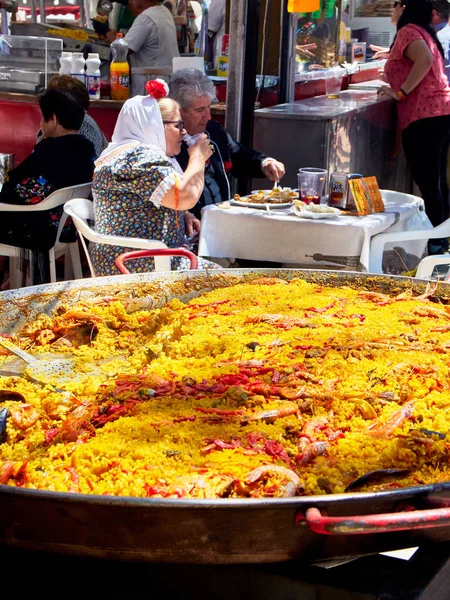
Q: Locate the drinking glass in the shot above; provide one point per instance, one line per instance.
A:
(333, 82)
(311, 184)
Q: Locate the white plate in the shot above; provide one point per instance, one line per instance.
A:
(261, 206)
(309, 214)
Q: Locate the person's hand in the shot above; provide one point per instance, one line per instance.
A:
(305, 50)
(273, 169)
(381, 52)
(202, 147)
(111, 35)
(192, 224)
(381, 75)
(386, 91)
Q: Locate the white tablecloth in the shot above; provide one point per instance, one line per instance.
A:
(281, 236)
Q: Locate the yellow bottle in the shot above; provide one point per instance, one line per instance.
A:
(119, 69)
(222, 66)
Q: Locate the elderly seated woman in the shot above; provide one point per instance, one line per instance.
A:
(89, 128)
(64, 158)
(139, 189)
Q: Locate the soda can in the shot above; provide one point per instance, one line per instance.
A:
(338, 190)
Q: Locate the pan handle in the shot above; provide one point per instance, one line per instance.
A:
(382, 523)
(156, 252)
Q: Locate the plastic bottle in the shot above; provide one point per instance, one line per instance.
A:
(93, 76)
(119, 69)
(65, 63)
(77, 69)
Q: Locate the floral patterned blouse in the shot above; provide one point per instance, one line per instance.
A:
(128, 188)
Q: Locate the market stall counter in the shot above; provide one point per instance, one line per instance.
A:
(355, 133)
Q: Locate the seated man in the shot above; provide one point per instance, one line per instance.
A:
(194, 92)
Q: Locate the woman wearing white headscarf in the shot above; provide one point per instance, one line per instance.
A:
(139, 188)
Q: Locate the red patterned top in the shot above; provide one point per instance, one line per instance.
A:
(431, 98)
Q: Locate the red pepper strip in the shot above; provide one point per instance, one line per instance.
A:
(206, 305)
(50, 434)
(114, 412)
(276, 449)
(181, 419)
(219, 411)
(301, 347)
(217, 388)
(254, 438)
(361, 318)
(155, 490)
(321, 310)
(73, 475)
(237, 379)
(221, 444)
(119, 389)
(276, 377)
(196, 315)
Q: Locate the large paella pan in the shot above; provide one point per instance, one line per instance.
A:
(232, 417)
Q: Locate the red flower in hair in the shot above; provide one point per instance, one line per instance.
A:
(228, 166)
(157, 88)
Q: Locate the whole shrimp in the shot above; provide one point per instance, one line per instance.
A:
(285, 409)
(397, 419)
(290, 489)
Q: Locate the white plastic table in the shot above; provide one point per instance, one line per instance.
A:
(281, 236)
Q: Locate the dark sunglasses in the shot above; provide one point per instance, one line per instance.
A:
(179, 124)
(397, 3)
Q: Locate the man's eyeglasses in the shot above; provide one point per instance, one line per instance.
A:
(179, 124)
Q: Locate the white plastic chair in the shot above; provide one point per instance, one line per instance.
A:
(72, 262)
(426, 265)
(82, 211)
(402, 198)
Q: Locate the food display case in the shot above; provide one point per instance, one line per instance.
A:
(74, 39)
(375, 15)
(27, 63)
(322, 29)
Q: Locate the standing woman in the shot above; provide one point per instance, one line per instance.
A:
(416, 76)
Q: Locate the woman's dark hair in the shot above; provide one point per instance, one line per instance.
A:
(418, 12)
(74, 86)
(67, 111)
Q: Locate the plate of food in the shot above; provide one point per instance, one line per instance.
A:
(275, 198)
(315, 211)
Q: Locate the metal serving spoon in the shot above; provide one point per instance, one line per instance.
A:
(48, 370)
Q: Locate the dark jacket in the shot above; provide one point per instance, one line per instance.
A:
(229, 158)
(55, 163)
